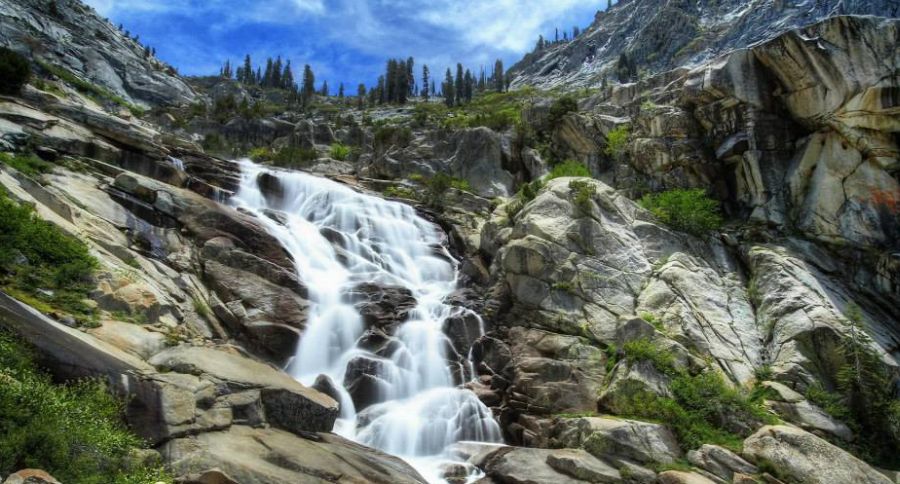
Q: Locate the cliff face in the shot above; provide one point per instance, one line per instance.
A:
(70, 35)
(658, 35)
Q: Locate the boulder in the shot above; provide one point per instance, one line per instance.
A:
(802, 457)
(720, 462)
(538, 466)
(618, 438)
(679, 477)
(30, 476)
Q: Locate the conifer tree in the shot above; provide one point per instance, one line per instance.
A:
(425, 83)
(410, 76)
(257, 79)
(276, 73)
(267, 74)
(469, 86)
(247, 70)
(499, 83)
(460, 85)
(448, 90)
(361, 96)
(324, 92)
(309, 84)
(287, 77)
(381, 90)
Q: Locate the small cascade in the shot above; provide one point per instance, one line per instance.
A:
(177, 163)
(340, 239)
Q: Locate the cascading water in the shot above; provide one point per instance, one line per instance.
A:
(340, 239)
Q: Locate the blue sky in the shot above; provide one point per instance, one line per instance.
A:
(344, 40)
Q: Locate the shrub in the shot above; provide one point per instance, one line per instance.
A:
(527, 193)
(72, 431)
(288, 157)
(392, 135)
(29, 165)
(691, 211)
(560, 108)
(400, 192)
(41, 265)
(584, 194)
(14, 72)
(339, 151)
(617, 141)
(261, 155)
(702, 409)
(568, 168)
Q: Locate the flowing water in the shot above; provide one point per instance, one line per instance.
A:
(340, 239)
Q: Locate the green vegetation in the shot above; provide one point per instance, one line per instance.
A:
(202, 308)
(498, 111)
(617, 141)
(41, 266)
(340, 151)
(865, 396)
(89, 89)
(287, 157)
(688, 210)
(703, 408)
(527, 193)
(29, 165)
(396, 191)
(14, 72)
(72, 431)
(560, 107)
(437, 186)
(568, 168)
(387, 135)
(584, 195)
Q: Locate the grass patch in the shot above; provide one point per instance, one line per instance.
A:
(90, 89)
(29, 165)
(340, 151)
(687, 210)
(202, 308)
(568, 168)
(396, 191)
(42, 266)
(73, 431)
(289, 157)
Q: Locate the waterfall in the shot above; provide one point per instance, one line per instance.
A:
(339, 239)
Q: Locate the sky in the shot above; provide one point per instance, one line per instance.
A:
(345, 41)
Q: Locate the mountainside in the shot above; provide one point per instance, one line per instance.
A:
(690, 277)
(71, 36)
(658, 35)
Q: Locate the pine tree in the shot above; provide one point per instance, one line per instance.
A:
(267, 75)
(608, 4)
(403, 82)
(425, 83)
(448, 90)
(309, 84)
(381, 90)
(469, 87)
(410, 76)
(575, 32)
(341, 92)
(324, 92)
(557, 35)
(499, 83)
(540, 43)
(276, 73)
(247, 71)
(361, 96)
(459, 85)
(287, 77)
(257, 79)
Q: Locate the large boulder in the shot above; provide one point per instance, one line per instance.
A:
(618, 439)
(478, 155)
(802, 457)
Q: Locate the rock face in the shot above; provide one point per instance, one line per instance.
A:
(69, 34)
(803, 457)
(657, 35)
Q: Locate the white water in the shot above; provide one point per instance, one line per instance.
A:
(420, 411)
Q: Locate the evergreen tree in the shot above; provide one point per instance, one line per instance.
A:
(459, 85)
(499, 83)
(381, 90)
(341, 92)
(469, 87)
(425, 83)
(448, 90)
(361, 96)
(324, 92)
(287, 77)
(267, 75)
(608, 4)
(276, 73)
(257, 79)
(433, 87)
(245, 71)
(309, 84)
(403, 82)
(557, 35)
(540, 43)
(410, 75)
(575, 32)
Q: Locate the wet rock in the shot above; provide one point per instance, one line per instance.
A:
(382, 307)
(364, 382)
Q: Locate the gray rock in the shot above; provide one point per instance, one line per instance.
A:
(720, 462)
(803, 457)
(618, 438)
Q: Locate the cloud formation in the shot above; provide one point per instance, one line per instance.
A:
(344, 40)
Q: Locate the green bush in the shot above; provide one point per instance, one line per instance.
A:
(703, 408)
(691, 211)
(568, 168)
(400, 192)
(340, 151)
(14, 72)
(42, 266)
(617, 141)
(527, 193)
(73, 431)
(561, 107)
(388, 135)
(584, 194)
(27, 164)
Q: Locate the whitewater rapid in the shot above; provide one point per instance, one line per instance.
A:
(339, 239)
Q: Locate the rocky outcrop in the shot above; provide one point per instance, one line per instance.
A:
(803, 457)
(71, 35)
(656, 36)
